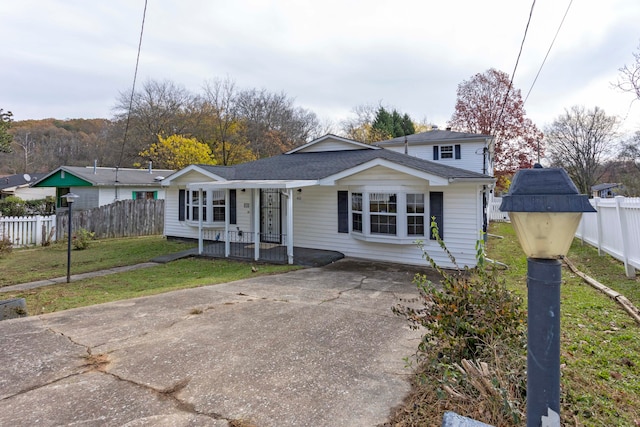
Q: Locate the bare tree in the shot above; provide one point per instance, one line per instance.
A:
(579, 140)
(274, 124)
(629, 79)
(159, 108)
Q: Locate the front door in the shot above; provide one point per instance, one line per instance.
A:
(270, 216)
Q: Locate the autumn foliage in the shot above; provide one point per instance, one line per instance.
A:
(486, 104)
(177, 152)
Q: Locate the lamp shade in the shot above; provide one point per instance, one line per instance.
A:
(545, 210)
(70, 197)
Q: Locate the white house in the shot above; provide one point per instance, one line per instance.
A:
(99, 186)
(20, 186)
(334, 194)
(469, 151)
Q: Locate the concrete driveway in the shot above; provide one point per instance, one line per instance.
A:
(315, 347)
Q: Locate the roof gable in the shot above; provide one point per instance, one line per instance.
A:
(200, 171)
(62, 178)
(331, 142)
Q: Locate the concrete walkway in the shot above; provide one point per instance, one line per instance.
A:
(313, 347)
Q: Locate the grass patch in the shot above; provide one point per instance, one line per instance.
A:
(180, 274)
(31, 264)
(600, 343)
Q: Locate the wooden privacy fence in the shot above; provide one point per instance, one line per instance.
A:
(124, 218)
(614, 229)
(27, 230)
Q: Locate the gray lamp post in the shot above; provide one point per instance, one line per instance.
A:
(70, 197)
(545, 209)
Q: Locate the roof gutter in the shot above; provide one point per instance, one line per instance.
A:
(488, 180)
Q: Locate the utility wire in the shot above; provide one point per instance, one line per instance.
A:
(547, 55)
(506, 95)
(133, 89)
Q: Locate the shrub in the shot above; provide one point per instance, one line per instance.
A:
(473, 348)
(13, 206)
(40, 207)
(81, 238)
(5, 246)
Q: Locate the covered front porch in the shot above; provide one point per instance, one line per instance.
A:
(268, 215)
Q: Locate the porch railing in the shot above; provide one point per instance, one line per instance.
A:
(272, 247)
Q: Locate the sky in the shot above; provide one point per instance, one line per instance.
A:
(71, 58)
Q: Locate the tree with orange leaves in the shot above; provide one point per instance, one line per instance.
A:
(488, 105)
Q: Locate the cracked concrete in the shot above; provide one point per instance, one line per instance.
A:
(317, 347)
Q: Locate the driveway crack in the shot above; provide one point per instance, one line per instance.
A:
(358, 286)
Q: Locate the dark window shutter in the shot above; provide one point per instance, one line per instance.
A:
(435, 152)
(343, 211)
(457, 151)
(182, 198)
(436, 210)
(232, 207)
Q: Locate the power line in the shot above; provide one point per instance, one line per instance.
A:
(547, 55)
(524, 37)
(133, 89)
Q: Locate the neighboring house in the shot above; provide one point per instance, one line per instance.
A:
(99, 186)
(19, 186)
(333, 194)
(607, 190)
(469, 151)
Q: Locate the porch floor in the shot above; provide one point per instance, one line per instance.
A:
(276, 254)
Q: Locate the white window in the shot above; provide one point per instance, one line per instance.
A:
(356, 211)
(212, 202)
(415, 214)
(446, 151)
(393, 217)
(383, 209)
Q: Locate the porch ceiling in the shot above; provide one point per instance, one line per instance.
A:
(252, 184)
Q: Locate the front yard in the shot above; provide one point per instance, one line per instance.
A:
(41, 263)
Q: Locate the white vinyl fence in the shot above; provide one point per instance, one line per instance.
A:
(27, 230)
(614, 229)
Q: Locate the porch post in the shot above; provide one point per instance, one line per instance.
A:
(256, 222)
(200, 238)
(227, 240)
(290, 226)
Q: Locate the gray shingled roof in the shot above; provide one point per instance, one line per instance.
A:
(318, 165)
(18, 180)
(433, 136)
(107, 176)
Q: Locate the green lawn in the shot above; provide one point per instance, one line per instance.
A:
(600, 347)
(27, 265)
(43, 263)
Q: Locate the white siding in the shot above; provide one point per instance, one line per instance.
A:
(316, 226)
(471, 155)
(389, 177)
(173, 227)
